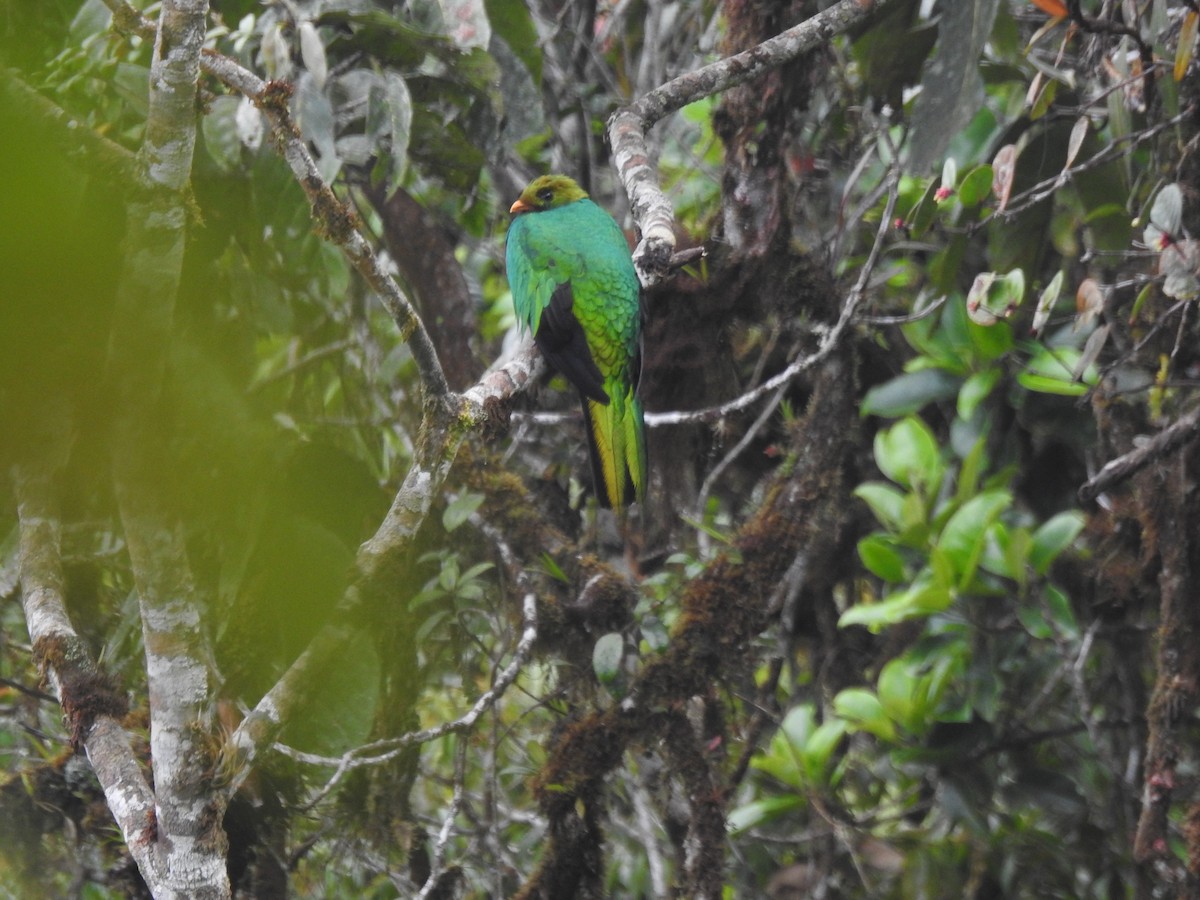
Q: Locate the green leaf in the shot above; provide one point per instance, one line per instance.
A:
(972, 466)
(1053, 537)
(886, 503)
(460, 510)
(926, 596)
(1045, 384)
(783, 759)
(962, 539)
(654, 633)
(390, 120)
(1046, 301)
(818, 750)
(1057, 362)
(896, 688)
(909, 392)
(1142, 296)
(907, 453)
(922, 214)
(511, 20)
(1044, 100)
(606, 657)
(1011, 288)
(975, 390)
(906, 696)
(1061, 613)
(315, 119)
(1033, 620)
(1050, 372)
(554, 570)
(762, 812)
(976, 186)
(881, 558)
(994, 297)
(989, 342)
(949, 173)
(799, 724)
(942, 569)
(951, 87)
(1006, 552)
(862, 709)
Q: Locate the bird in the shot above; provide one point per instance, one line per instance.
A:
(575, 288)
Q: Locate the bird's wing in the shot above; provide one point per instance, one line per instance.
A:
(538, 261)
(562, 340)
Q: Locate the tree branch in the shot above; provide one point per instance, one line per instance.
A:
(90, 702)
(1162, 444)
(190, 843)
(382, 751)
(627, 128)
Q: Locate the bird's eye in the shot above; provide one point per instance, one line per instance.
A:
(545, 195)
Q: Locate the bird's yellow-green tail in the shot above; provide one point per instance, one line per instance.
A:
(617, 444)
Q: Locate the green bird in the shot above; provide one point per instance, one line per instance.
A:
(574, 286)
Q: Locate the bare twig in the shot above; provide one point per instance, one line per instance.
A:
(908, 319)
(388, 749)
(438, 857)
(718, 470)
(1047, 186)
(829, 339)
(1166, 442)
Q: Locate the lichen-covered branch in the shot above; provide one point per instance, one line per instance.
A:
(628, 126)
(189, 842)
(91, 703)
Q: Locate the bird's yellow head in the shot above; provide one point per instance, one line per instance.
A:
(548, 192)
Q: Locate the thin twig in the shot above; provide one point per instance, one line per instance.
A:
(1166, 442)
(438, 857)
(719, 469)
(910, 318)
(1048, 186)
(829, 340)
(385, 750)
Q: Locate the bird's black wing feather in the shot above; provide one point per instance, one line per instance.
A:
(561, 339)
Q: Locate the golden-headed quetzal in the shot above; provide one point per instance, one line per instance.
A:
(574, 286)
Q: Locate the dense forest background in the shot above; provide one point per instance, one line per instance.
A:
(302, 584)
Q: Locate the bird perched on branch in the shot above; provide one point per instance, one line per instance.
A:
(574, 286)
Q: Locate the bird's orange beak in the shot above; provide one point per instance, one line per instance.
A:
(519, 206)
